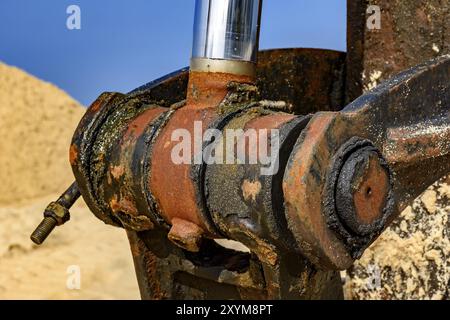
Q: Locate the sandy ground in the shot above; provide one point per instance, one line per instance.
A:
(31, 272)
(37, 120)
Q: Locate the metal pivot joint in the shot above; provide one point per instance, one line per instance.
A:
(344, 173)
(359, 194)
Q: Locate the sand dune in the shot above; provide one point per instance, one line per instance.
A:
(37, 121)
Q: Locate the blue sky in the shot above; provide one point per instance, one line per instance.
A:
(124, 44)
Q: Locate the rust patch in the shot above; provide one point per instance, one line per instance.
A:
(271, 121)
(413, 144)
(73, 154)
(137, 127)
(208, 89)
(146, 265)
(172, 184)
(117, 171)
(303, 187)
(411, 32)
(264, 123)
(251, 189)
(371, 191)
(96, 106)
(310, 80)
(186, 235)
(123, 205)
(266, 252)
(125, 210)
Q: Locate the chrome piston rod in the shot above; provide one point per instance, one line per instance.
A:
(226, 35)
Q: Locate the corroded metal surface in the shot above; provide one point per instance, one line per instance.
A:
(123, 186)
(342, 177)
(248, 206)
(167, 272)
(56, 214)
(400, 102)
(130, 177)
(359, 197)
(102, 142)
(411, 32)
(168, 180)
(309, 80)
(363, 190)
(82, 145)
(338, 183)
(290, 221)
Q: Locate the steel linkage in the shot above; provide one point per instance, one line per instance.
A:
(343, 174)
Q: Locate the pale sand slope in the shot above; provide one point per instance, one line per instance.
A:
(31, 272)
(37, 121)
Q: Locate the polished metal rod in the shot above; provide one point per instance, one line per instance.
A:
(227, 29)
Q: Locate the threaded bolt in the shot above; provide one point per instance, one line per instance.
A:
(43, 230)
(56, 214)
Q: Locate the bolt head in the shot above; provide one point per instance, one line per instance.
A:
(362, 191)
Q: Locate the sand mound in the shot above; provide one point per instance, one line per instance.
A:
(37, 121)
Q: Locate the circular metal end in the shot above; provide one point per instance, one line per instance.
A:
(43, 230)
(362, 191)
(242, 68)
(359, 198)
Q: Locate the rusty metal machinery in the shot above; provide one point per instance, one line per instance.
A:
(343, 174)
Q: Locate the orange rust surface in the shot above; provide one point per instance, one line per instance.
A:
(410, 145)
(123, 202)
(272, 121)
(96, 106)
(186, 235)
(370, 195)
(123, 205)
(303, 197)
(73, 154)
(208, 89)
(146, 266)
(172, 184)
(268, 122)
(138, 125)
